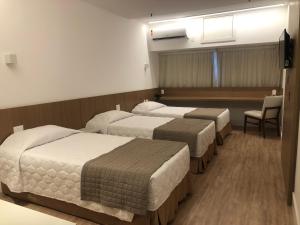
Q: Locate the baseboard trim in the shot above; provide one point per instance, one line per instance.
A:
(296, 209)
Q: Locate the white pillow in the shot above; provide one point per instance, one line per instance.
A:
(34, 137)
(101, 121)
(147, 106)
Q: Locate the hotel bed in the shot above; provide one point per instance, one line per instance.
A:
(220, 116)
(45, 165)
(202, 132)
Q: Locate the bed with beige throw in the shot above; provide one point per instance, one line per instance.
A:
(220, 116)
(199, 134)
(48, 162)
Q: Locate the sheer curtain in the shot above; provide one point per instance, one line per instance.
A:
(254, 66)
(188, 69)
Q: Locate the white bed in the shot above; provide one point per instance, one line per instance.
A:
(47, 161)
(161, 110)
(126, 124)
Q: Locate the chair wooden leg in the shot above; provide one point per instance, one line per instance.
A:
(259, 126)
(278, 127)
(263, 128)
(245, 124)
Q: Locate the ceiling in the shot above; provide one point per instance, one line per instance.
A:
(161, 9)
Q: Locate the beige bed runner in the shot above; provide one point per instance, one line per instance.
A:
(205, 113)
(183, 130)
(120, 178)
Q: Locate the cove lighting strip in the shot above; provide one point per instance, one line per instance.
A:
(220, 13)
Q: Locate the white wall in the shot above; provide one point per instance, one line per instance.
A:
(258, 26)
(69, 49)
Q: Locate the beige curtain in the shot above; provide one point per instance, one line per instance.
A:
(250, 66)
(188, 69)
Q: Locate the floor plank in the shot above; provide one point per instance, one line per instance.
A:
(243, 185)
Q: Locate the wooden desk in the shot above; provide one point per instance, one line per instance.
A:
(11, 214)
(217, 95)
(210, 99)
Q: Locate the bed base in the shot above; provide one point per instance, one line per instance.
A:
(165, 214)
(199, 164)
(221, 135)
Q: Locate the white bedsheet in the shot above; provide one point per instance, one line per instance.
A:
(179, 112)
(54, 170)
(143, 127)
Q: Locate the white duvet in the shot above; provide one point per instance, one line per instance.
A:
(143, 127)
(48, 162)
(178, 112)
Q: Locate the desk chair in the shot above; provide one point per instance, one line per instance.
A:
(270, 114)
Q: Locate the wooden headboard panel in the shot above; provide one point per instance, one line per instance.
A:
(72, 113)
(95, 105)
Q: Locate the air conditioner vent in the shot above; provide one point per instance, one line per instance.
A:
(168, 34)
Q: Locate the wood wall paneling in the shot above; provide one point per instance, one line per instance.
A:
(291, 107)
(5, 123)
(87, 109)
(128, 100)
(72, 113)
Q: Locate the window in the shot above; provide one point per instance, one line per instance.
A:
(216, 69)
(250, 66)
(186, 69)
(255, 66)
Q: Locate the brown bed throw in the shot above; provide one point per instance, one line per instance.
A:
(183, 130)
(120, 178)
(205, 113)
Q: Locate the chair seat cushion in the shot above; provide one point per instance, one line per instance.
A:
(254, 113)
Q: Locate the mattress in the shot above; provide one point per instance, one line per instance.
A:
(179, 112)
(53, 170)
(143, 127)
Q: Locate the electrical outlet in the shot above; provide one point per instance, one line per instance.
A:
(18, 128)
(118, 107)
(162, 91)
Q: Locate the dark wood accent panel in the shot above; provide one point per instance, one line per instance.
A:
(217, 94)
(72, 113)
(94, 105)
(211, 99)
(6, 123)
(64, 113)
(291, 108)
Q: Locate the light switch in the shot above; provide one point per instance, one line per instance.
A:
(146, 67)
(10, 59)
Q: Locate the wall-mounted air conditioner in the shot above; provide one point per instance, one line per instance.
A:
(168, 33)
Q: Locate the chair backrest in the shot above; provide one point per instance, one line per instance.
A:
(272, 102)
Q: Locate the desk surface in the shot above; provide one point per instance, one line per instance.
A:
(12, 214)
(212, 99)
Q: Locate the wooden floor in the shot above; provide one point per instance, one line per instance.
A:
(242, 186)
